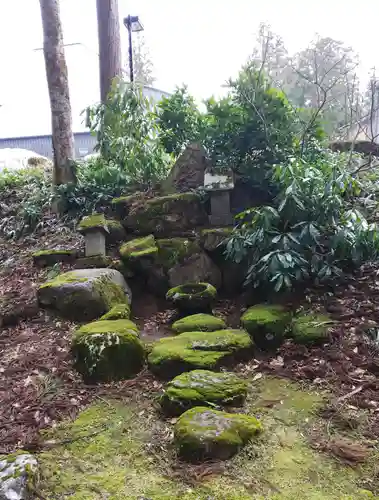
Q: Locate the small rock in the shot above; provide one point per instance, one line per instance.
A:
(16, 473)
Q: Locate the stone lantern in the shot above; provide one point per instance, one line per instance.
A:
(219, 186)
(94, 229)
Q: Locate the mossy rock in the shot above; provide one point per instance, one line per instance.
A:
(201, 433)
(267, 324)
(192, 297)
(199, 322)
(214, 239)
(204, 388)
(204, 350)
(166, 215)
(139, 248)
(84, 294)
(94, 261)
(94, 222)
(44, 258)
(173, 251)
(116, 231)
(123, 204)
(18, 476)
(107, 350)
(119, 311)
(311, 328)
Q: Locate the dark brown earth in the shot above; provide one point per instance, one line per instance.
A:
(38, 386)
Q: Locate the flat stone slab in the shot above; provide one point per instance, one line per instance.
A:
(16, 472)
(202, 387)
(84, 294)
(202, 433)
(205, 350)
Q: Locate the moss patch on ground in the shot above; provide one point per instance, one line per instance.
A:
(311, 328)
(123, 452)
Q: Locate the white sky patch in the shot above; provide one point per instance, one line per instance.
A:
(201, 43)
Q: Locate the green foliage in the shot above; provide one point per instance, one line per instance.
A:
(314, 231)
(127, 135)
(179, 120)
(253, 128)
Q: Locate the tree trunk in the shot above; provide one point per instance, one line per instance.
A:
(57, 81)
(109, 45)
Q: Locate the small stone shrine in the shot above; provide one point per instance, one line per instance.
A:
(219, 186)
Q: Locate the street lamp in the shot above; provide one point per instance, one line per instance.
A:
(132, 24)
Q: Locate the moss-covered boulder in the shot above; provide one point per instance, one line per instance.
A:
(202, 388)
(233, 275)
(311, 328)
(201, 433)
(192, 297)
(107, 350)
(84, 294)
(177, 261)
(139, 250)
(268, 324)
(122, 204)
(18, 476)
(171, 356)
(116, 231)
(119, 311)
(166, 215)
(214, 239)
(198, 323)
(44, 258)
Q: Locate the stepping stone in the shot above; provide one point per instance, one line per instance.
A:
(192, 297)
(84, 294)
(267, 324)
(205, 350)
(311, 328)
(198, 322)
(202, 387)
(107, 350)
(202, 433)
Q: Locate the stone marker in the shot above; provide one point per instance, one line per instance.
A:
(219, 187)
(94, 229)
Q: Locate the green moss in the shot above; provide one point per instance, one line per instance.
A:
(63, 279)
(173, 251)
(193, 297)
(198, 322)
(164, 201)
(213, 240)
(208, 350)
(119, 311)
(107, 350)
(204, 433)
(311, 328)
(111, 293)
(267, 324)
(119, 326)
(202, 388)
(94, 221)
(123, 452)
(55, 251)
(128, 199)
(139, 248)
(114, 224)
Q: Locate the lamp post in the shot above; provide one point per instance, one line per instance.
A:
(132, 24)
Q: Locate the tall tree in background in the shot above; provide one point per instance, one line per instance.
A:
(57, 81)
(109, 45)
(142, 64)
(321, 78)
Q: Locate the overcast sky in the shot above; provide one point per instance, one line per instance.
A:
(200, 43)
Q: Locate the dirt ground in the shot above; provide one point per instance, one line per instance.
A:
(38, 387)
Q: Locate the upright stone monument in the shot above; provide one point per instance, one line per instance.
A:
(219, 186)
